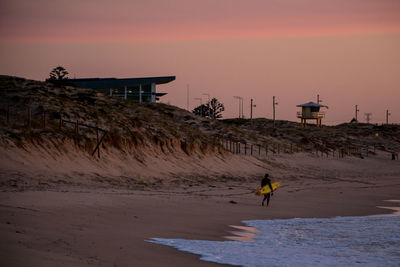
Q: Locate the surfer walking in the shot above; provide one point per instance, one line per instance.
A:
(266, 181)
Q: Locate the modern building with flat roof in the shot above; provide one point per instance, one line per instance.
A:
(137, 89)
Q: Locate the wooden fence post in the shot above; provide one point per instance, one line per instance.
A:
(98, 143)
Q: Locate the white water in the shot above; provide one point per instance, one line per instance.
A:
(340, 241)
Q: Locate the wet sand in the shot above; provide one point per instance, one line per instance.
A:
(70, 226)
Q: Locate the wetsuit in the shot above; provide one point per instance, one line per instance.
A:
(266, 181)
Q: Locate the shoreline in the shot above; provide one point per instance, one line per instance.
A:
(304, 240)
(129, 218)
(247, 233)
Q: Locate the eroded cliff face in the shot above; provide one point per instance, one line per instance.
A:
(66, 135)
(33, 110)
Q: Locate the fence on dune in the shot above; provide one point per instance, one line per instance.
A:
(274, 148)
(22, 118)
(18, 117)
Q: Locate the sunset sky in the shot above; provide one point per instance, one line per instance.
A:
(348, 52)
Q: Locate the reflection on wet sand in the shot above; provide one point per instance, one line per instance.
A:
(396, 209)
(246, 233)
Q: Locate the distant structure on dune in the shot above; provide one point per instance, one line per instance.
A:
(137, 89)
(311, 111)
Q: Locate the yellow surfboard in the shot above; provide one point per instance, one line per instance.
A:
(266, 189)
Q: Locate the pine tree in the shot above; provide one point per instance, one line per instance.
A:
(212, 109)
(59, 73)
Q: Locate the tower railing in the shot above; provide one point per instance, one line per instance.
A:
(311, 115)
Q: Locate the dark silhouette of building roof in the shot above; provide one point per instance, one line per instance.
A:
(311, 104)
(105, 83)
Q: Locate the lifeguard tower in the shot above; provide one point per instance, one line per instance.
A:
(311, 111)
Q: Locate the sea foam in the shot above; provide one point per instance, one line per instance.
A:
(339, 241)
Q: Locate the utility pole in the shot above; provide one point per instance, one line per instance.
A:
(318, 100)
(242, 108)
(368, 117)
(387, 116)
(187, 91)
(357, 110)
(240, 105)
(273, 105)
(251, 109)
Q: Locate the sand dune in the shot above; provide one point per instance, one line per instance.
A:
(162, 174)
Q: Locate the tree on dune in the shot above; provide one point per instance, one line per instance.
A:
(216, 108)
(201, 110)
(59, 73)
(212, 109)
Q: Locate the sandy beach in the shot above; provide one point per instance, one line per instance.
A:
(82, 226)
(136, 133)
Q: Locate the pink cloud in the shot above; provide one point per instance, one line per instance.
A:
(73, 20)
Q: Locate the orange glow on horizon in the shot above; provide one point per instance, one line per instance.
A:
(183, 34)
